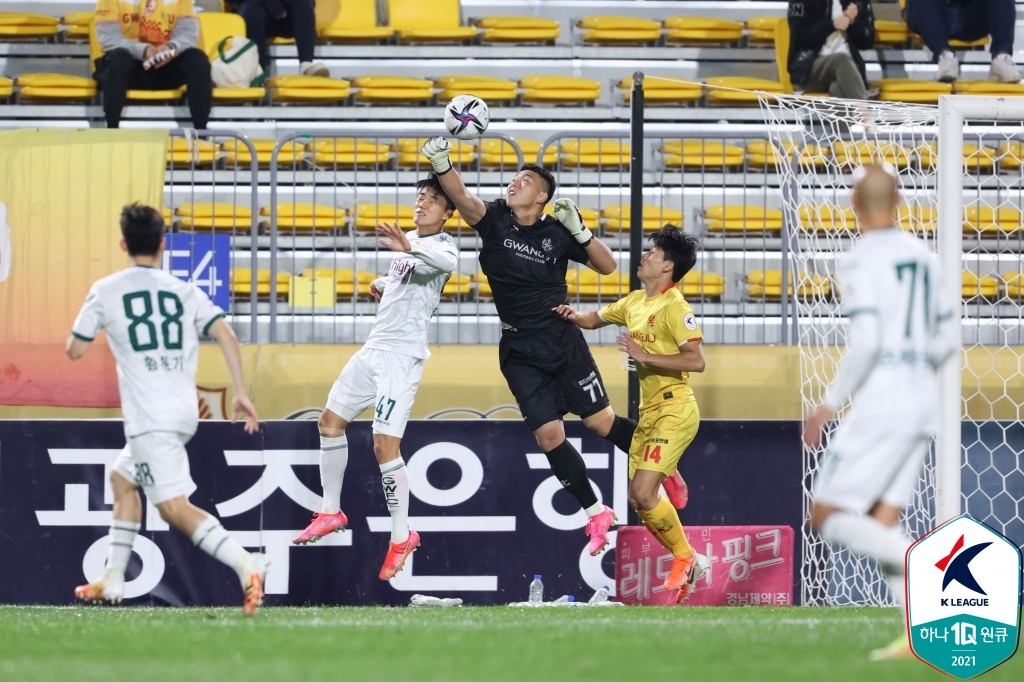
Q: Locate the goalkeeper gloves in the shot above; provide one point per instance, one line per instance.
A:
(436, 149)
(570, 217)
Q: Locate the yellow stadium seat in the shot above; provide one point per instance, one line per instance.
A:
(236, 153)
(559, 90)
(241, 283)
(891, 32)
(975, 158)
(988, 88)
(6, 87)
(407, 152)
(307, 89)
(1009, 155)
(592, 153)
(483, 287)
(458, 286)
(355, 22)
(348, 283)
(495, 152)
(828, 218)
(591, 218)
(1014, 283)
(701, 154)
(763, 156)
(488, 88)
(586, 284)
(422, 22)
(27, 25)
(742, 90)
(989, 221)
(968, 44)
(388, 89)
(728, 218)
(347, 151)
(55, 87)
(973, 286)
(619, 30)
(761, 29)
(701, 30)
(199, 153)
(77, 25)
(917, 218)
(214, 28)
(864, 151)
(767, 284)
(207, 217)
(307, 216)
(663, 90)
(518, 29)
(368, 216)
(616, 217)
(911, 91)
(702, 285)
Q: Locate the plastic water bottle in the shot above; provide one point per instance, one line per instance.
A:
(600, 596)
(536, 591)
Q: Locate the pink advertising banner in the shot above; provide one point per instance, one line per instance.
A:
(750, 566)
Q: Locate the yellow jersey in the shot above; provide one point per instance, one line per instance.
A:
(147, 21)
(659, 325)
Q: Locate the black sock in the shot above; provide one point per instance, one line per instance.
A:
(621, 433)
(571, 472)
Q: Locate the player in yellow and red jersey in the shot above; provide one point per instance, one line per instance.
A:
(664, 341)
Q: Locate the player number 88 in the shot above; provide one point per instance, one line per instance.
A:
(170, 308)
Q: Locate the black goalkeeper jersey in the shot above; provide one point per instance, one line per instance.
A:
(525, 266)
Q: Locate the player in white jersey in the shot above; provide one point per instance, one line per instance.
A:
(900, 333)
(385, 373)
(153, 323)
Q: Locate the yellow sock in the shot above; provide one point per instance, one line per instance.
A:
(663, 522)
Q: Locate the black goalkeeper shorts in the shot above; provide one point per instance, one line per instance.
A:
(551, 373)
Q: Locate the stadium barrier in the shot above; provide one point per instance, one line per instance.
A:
(483, 497)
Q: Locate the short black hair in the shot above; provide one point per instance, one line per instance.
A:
(678, 247)
(142, 228)
(545, 175)
(432, 182)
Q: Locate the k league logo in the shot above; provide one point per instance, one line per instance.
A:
(963, 598)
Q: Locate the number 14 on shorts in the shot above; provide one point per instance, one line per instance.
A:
(652, 453)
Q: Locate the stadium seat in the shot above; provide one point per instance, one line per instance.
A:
(917, 218)
(27, 26)
(988, 88)
(492, 90)
(891, 33)
(55, 87)
(237, 154)
(458, 286)
(702, 31)
(619, 30)
(660, 91)
(209, 217)
(407, 153)
(728, 218)
(733, 91)
(355, 22)
(910, 91)
(308, 89)
(559, 90)
(689, 154)
(761, 30)
(973, 286)
(584, 283)
(483, 287)
(1014, 284)
(515, 29)
(306, 217)
(697, 285)
(495, 152)
(347, 151)
(241, 283)
(390, 89)
(594, 153)
(616, 217)
(6, 88)
(591, 218)
(764, 156)
(215, 27)
(348, 283)
(864, 151)
(989, 221)
(429, 22)
(767, 284)
(828, 218)
(180, 152)
(975, 158)
(77, 25)
(368, 216)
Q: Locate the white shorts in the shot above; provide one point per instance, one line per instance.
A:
(157, 463)
(863, 466)
(380, 379)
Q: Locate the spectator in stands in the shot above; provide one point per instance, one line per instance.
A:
(265, 19)
(939, 21)
(826, 37)
(151, 48)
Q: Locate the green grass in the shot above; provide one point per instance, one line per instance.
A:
(479, 644)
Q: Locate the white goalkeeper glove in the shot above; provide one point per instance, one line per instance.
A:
(436, 149)
(570, 217)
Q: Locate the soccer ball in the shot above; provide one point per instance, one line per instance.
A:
(466, 117)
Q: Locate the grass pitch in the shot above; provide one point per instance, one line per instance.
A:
(479, 644)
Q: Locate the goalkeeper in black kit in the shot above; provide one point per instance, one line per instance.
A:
(544, 358)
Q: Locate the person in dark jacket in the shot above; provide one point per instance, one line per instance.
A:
(937, 21)
(826, 37)
(285, 19)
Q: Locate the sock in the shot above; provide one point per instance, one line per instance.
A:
(866, 536)
(663, 522)
(211, 537)
(571, 472)
(897, 579)
(333, 460)
(594, 509)
(395, 479)
(621, 433)
(122, 536)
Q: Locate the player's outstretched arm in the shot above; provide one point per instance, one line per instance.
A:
(225, 336)
(587, 319)
(444, 259)
(690, 357)
(602, 259)
(76, 347)
(471, 207)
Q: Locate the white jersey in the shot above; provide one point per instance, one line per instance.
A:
(894, 281)
(411, 292)
(153, 323)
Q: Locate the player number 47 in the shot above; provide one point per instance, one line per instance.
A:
(380, 407)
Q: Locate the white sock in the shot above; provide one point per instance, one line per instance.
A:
(211, 537)
(333, 460)
(594, 509)
(866, 536)
(122, 536)
(395, 479)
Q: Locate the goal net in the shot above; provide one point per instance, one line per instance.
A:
(966, 204)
